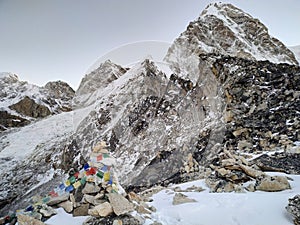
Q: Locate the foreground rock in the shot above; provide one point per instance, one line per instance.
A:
(180, 198)
(272, 183)
(294, 208)
(234, 171)
(119, 220)
(28, 220)
(120, 204)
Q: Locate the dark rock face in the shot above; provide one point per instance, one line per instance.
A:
(281, 162)
(59, 96)
(262, 104)
(7, 120)
(124, 220)
(29, 107)
(294, 208)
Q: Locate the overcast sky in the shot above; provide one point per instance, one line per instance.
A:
(43, 40)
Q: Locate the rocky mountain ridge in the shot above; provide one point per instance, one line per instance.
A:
(169, 129)
(22, 102)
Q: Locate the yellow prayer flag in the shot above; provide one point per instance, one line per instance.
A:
(77, 184)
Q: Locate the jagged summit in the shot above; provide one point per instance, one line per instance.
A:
(224, 29)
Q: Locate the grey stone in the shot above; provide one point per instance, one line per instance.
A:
(81, 210)
(102, 210)
(90, 189)
(47, 211)
(27, 220)
(59, 199)
(89, 198)
(67, 206)
(272, 183)
(120, 204)
(180, 198)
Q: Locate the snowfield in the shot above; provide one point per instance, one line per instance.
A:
(249, 208)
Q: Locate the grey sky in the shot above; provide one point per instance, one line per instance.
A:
(43, 40)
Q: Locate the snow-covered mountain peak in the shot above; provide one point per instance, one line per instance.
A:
(296, 51)
(8, 77)
(223, 29)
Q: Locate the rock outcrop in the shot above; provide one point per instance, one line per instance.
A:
(24, 102)
(294, 208)
(29, 107)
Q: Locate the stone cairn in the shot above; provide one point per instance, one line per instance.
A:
(92, 191)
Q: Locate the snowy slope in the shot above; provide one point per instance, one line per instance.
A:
(250, 208)
(296, 51)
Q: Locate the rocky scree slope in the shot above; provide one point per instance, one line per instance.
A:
(22, 102)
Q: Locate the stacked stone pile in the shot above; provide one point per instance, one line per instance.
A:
(92, 191)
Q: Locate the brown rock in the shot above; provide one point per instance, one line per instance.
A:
(47, 211)
(29, 107)
(27, 220)
(134, 197)
(81, 210)
(180, 198)
(59, 199)
(67, 206)
(89, 198)
(104, 209)
(252, 172)
(90, 189)
(142, 210)
(117, 222)
(273, 183)
(120, 204)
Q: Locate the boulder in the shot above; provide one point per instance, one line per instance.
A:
(90, 189)
(120, 204)
(272, 183)
(67, 206)
(180, 198)
(102, 210)
(252, 172)
(89, 198)
(294, 208)
(27, 220)
(47, 211)
(59, 199)
(81, 210)
(117, 222)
